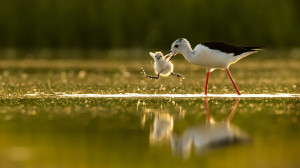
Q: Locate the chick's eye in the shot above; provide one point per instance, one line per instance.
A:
(176, 46)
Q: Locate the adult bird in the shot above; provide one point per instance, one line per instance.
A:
(211, 55)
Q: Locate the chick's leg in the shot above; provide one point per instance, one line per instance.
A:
(153, 77)
(178, 75)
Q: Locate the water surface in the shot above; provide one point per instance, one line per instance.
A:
(149, 132)
(104, 113)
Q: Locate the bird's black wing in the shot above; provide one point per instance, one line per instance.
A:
(228, 48)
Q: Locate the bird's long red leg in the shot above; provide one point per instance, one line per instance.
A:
(207, 111)
(233, 82)
(207, 77)
(233, 110)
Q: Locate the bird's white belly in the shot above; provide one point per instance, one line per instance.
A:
(163, 69)
(211, 59)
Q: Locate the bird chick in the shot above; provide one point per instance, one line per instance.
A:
(162, 66)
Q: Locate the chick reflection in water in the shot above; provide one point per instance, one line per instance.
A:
(162, 129)
(202, 136)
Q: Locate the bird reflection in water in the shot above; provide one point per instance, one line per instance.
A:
(202, 137)
(162, 129)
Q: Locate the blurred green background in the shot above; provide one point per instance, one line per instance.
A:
(107, 24)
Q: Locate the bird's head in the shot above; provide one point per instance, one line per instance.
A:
(156, 56)
(178, 46)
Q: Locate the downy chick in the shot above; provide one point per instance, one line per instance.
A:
(162, 66)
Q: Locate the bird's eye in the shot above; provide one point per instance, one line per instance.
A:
(176, 46)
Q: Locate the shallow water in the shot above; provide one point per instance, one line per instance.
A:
(95, 113)
(150, 132)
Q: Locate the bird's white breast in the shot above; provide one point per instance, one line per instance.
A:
(209, 58)
(163, 67)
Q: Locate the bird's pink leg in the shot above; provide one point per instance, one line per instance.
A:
(232, 110)
(207, 111)
(207, 76)
(233, 82)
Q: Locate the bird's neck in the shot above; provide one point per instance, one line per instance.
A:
(188, 53)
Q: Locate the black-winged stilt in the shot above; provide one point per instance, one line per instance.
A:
(211, 55)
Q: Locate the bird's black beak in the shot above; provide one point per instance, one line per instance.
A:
(168, 53)
(172, 54)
